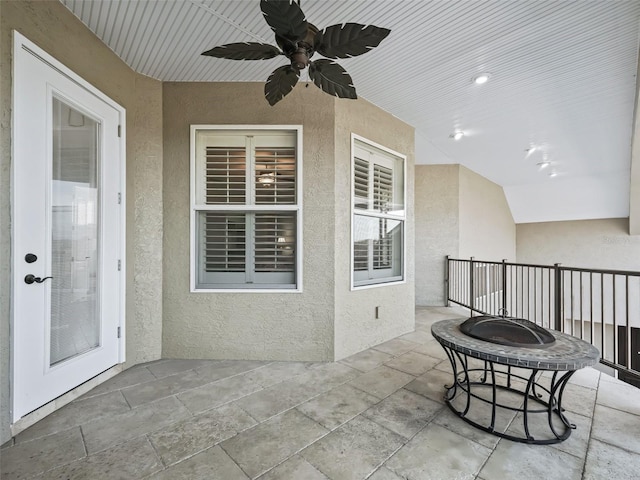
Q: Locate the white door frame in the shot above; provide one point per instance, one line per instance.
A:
(24, 49)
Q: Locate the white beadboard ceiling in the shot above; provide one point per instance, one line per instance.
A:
(563, 79)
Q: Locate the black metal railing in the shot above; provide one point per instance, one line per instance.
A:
(599, 306)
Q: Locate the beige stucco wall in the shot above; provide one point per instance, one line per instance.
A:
(603, 243)
(326, 321)
(279, 326)
(461, 214)
(437, 207)
(53, 28)
(356, 327)
(487, 229)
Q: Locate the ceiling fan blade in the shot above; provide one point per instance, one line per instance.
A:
(244, 51)
(349, 40)
(331, 78)
(280, 83)
(285, 18)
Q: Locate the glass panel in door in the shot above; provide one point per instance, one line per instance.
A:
(75, 318)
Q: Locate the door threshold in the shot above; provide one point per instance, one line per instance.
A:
(48, 408)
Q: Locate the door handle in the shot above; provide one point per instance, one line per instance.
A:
(29, 279)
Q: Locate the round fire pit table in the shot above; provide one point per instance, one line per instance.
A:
(497, 380)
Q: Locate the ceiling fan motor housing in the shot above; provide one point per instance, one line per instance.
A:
(301, 51)
(299, 58)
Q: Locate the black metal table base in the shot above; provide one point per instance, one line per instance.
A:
(533, 401)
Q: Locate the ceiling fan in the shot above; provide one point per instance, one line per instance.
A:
(298, 40)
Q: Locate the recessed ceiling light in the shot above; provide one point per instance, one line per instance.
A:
(456, 135)
(482, 78)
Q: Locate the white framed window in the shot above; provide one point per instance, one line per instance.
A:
(378, 214)
(246, 208)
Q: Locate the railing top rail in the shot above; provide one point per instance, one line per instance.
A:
(629, 273)
(532, 265)
(504, 262)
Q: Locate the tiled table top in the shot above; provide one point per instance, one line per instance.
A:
(567, 353)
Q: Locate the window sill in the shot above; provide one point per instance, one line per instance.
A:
(246, 290)
(377, 285)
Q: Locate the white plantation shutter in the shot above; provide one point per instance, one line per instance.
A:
(225, 175)
(275, 176)
(378, 215)
(275, 242)
(382, 247)
(361, 183)
(361, 256)
(382, 188)
(246, 209)
(224, 240)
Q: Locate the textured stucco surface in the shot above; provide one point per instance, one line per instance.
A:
(487, 229)
(53, 28)
(268, 326)
(461, 214)
(144, 222)
(437, 225)
(356, 327)
(603, 243)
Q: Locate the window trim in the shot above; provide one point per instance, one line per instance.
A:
(297, 207)
(357, 138)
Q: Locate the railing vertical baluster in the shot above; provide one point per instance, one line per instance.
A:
(461, 290)
(593, 330)
(493, 287)
(462, 268)
(447, 277)
(492, 284)
(572, 319)
(525, 296)
(465, 269)
(485, 288)
(481, 288)
(459, 282)
(522, 291)
(454, 285)
(535, 295)
(557, 320)
(582, 335)
(453, 281)
(602, 320)
(562, 302)
(471, 282)
(458, 279)
(504, 283)
(628, 337)
(512, 282)
(541, 297)
(549, 303)
(615, 326)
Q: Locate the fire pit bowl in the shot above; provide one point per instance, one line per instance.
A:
(515, 332)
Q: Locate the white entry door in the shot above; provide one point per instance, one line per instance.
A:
(68, 230)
